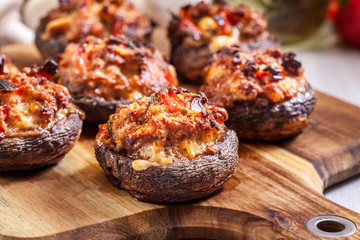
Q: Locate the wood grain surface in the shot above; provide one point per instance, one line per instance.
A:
(275, 189)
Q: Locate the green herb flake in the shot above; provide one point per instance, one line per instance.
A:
(130, 44)
(109, 125)
(154, 97)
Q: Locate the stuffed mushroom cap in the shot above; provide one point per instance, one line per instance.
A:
(266, 94)
(200, 29)
(172, 146)
(100, 74)
(74, 20)
(38, 124)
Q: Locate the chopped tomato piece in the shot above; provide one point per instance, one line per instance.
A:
(188, 26)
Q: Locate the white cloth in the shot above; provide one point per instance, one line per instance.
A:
(17, 28)
(12, 29)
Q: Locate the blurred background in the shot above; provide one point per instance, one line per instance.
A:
(325, 34)
(292, 21)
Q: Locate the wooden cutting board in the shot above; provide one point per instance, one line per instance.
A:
(276, 188)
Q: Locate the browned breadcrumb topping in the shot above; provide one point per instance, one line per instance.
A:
(216, 25)
(170, 124)
(30, 103)
(74, 20)
(234, 76)
(114, 69)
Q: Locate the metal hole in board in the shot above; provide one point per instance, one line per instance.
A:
(330, 226)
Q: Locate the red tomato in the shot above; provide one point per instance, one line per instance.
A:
(347, 22)
(333, 8)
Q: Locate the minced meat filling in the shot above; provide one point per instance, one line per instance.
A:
(30, 103)
(114, 69)
(170, 124)
(273, 76)
(217, 25)
(74, 20)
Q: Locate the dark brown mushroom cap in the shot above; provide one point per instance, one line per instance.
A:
(191, 62)
(180, 180)
(261, 119)
(47, 149)
(51, 47)
(97, 109)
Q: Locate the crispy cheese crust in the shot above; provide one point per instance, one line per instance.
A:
(73, 20)
(170, 125)
(30, 103)
(116, 68)
(274, 76)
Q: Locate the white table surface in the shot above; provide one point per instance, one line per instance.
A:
(334, 69)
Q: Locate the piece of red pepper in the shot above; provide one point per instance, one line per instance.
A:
(347, 22)
(80, 62)
(118, 26)
(222, 20)
(189, 27)
(262, 76)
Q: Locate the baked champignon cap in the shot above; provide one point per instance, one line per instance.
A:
(200, 29)
(100, 74)
(38, 124)
(171, 146)
(74, 20)
(266, 94)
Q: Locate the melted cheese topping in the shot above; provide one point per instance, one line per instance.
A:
(217, 25)
(33, 106)
(100, 18)
(167, 126)
(218, 42)
(242, 76)
(114, 69)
